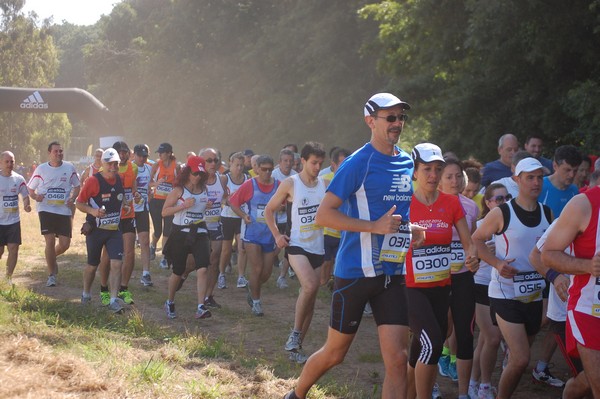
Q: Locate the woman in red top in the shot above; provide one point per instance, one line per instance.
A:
(428, 267)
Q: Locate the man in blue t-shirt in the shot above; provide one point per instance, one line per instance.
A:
(496, 170)
(375, 185)
(558, 188)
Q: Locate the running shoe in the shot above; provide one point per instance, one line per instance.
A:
(126, 296)
(257, 309)
(453, 374)
(86, 300)
(298, 357)
(202, 313)
(436, 393)
(163, 264)
(221, 283)
(545, 377)
(473, 391)
(170, 310)
(282, 283)
(105, 298)
(146, 280)
(486, 392)
(117, 306)
(293, 342)
(152, 252)
(51, 281)
(291, 395)
(210, 302)
(443, 365)
(242, 282)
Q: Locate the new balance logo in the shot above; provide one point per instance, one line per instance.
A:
(34, 101)
(400, 184)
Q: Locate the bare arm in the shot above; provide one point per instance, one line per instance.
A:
(284, 191)
(561, 282)
(573, 221)
(471, 261)
(170, 207)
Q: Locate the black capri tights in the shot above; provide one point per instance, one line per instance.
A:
(156, 206)
(462, 305)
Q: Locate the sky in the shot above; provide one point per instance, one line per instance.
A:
(78, 12)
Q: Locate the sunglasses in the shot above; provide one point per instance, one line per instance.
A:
(196, 174)
(266, 169)
(393, 118)
(502, 198)
(211, 160)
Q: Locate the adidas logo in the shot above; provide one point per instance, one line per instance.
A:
(34, 101)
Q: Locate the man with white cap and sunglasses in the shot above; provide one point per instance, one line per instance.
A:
(376, 183)
(516, 287)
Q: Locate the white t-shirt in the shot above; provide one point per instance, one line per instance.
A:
(55, 184)
(10, 188)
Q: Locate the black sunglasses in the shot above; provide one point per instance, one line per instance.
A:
(393, 118)
(211, 160)
(502, 198)
(196, 173)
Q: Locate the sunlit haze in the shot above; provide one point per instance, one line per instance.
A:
(78, 12)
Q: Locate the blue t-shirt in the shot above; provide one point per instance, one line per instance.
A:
(493, 171)
(556, 199)
(370, 183)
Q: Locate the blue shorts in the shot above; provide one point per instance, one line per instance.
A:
(98, 238)
(265, 247)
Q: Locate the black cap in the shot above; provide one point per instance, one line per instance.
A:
(120, 146)
(164, 147)
(248, 152)
(141, 150)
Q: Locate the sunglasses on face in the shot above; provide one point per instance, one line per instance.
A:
(393, 118)
(502, 198)
(196, 174)
(266, 169)
(211, 160)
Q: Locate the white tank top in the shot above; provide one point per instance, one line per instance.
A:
(193, 215)
(305, 233)
(226, 212)
(212, 215)
(143, 186)
(484, 273)
(516, 242)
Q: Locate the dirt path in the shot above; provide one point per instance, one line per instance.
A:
(234, 324)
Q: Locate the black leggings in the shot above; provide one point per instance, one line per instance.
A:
(156, 206)
(462, 305)
(428, 321)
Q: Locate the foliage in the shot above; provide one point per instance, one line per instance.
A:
(29, 59)
(478, 69)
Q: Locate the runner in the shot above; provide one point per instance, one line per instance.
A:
(11, 186)
(578, 225)
(376, 182)
(488, 341)
(462, 298)
(128, 175)
(216, 186)
(516, 288)
(428, 268)
(54, 185)
(94, 167)
(232, 224)
(163, 175)
(281, 172)
(304, 246)
(102, 199)
(187, 203)
(142, 211)
(258, 241)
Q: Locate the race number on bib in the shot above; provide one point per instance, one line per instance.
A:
(431, 263)
(55, 196)
(260, 213)
(10, 203)
(395, 245)
(458, 256)
(528, 286)
(163, 189)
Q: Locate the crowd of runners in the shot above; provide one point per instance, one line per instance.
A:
(426, 243)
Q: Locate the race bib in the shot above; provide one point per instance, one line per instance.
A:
(458, 256)
(56, 196)
(163, 189)
(528, 286)
(110, 221)
(431, 263)
(213, 215)
(10, 203)
(395, 245)
(260, 213)
(596, 299)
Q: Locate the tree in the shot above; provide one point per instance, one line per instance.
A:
(29, 59)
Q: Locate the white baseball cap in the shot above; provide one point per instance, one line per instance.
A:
(110, 155)
(528, 165)
(427, 152)
(382, 101)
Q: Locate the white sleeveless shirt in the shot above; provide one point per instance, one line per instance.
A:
(305, 233)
